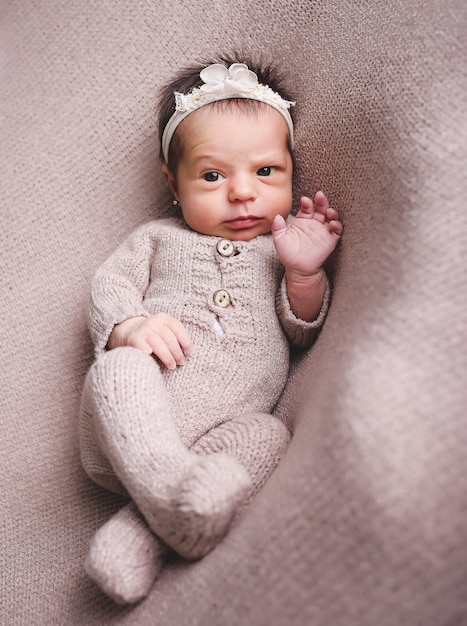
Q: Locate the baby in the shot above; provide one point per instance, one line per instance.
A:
(193, 318)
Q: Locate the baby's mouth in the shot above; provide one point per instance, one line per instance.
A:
(246, 221)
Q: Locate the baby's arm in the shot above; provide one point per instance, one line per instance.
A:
(303, 247)
(118, 315)
(160, 334)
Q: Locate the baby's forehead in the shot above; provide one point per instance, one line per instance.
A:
(224, 134)
(234, 112)
(234, 136)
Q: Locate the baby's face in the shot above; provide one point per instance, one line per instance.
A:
(235, 172)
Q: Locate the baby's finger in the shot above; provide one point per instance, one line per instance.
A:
(307, 208)
(321, 203)
(163, 352)
(181, 334)
(173, 345)
(140, 343)
(335, 226)
(332, 214)
(306, 204)
(278, 228)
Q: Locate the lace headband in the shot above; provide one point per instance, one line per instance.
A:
(221, 83)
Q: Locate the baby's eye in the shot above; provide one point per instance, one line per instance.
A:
(266, 171)
(212, 177)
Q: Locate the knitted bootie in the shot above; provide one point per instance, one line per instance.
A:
(257, 440)
(125, 557)
(188, 500)
(205, 503)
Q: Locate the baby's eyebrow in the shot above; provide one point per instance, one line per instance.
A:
(218, 160)
(208, 158)
(271, 160)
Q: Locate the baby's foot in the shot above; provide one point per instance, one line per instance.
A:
(203, 506)
(125, 557)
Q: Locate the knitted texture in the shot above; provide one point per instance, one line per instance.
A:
(188, 500)
(125, 556)
(241, 357)
(363, 522)
(143, 418)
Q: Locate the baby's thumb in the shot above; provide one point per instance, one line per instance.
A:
(278, 226)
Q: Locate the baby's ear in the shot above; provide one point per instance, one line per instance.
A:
(171, 181)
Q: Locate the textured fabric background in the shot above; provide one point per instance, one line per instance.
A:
(365, 520)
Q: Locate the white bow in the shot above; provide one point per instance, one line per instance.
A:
(236, 79)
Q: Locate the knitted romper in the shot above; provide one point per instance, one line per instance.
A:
(203, 432)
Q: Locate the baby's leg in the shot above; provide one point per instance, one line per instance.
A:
(125, 556)
(188, 500)
(256, 440)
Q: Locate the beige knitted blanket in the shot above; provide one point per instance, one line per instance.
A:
(364, 522)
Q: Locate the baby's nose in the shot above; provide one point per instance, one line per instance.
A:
(242, 187)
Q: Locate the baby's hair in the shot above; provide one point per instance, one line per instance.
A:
(188, 79)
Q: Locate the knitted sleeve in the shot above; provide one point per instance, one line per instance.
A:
(300, 334)
(118, 288)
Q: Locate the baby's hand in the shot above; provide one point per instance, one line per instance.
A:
(309, 240)
(161, 335)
